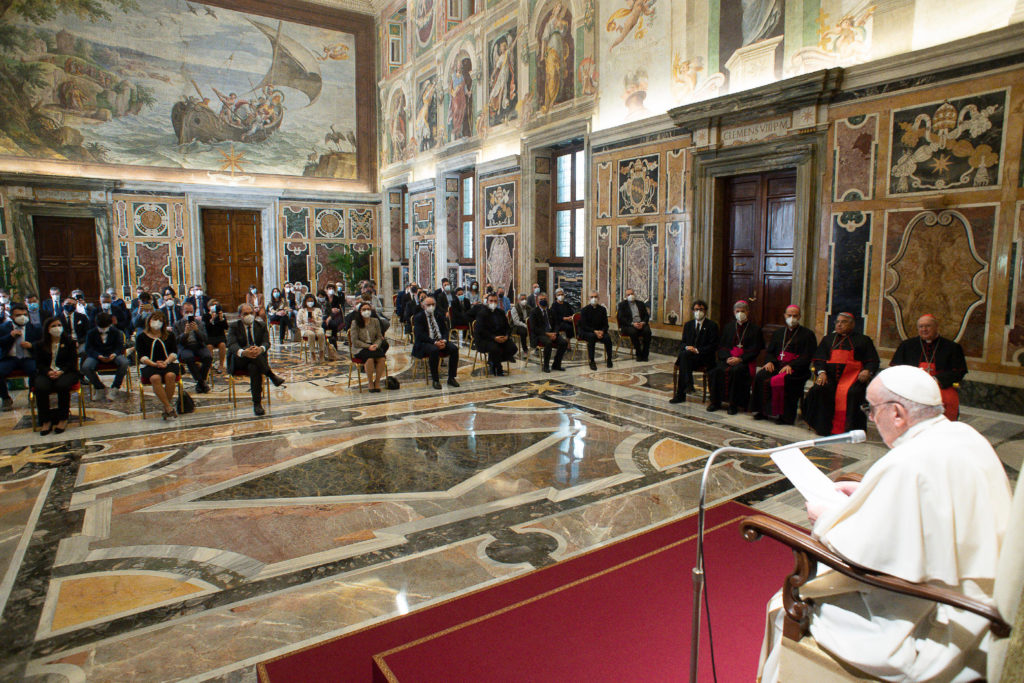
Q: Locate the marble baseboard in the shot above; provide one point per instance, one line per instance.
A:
(992, 397)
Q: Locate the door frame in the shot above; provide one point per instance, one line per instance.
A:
(270, 239)
(805, 153)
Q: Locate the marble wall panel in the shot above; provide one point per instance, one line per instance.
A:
(150, 220)
(360, 224)
(453, 211)
(151, 234)
(951, 145)
(310, 231)
(675, 236)
(603, 263)
(152, 265)
(603, 189)
(423, 215)
(500, 263)
(638, 184)
(855, 144)
(675, 181)
(542, 218)
(395, 225)
(500, 204)
(850, 260)
(329, 223)
(297, 261)
(323, 270)
(1014, 345)
(638, 264)
(296, 221)
(938, 262)
(423, 263)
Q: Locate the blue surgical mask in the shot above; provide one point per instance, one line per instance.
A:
(33, 306)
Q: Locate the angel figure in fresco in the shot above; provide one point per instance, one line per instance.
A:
(848, 37)
(459, 113)
(424, 126)
(338, 51)
(632, 16)
(556, 47)
(503, 76)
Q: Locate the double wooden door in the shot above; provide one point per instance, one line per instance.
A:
(232, 249)
(66, 255)
(760, 215)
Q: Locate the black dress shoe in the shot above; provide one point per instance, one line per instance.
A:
(761, 416)
(712, 407)
(44, 432)
(277, 380)
(498, 372)
(437, 385)
(677, 399)
(58, 430)
(452, 383)
(546, 369)
(257, 409)
(202, 389)
(610, 364)
(783, 421)
(593, 365)
(558, 367)
(733, 410)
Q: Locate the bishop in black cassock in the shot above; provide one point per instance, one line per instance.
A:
(779, 384)
(844, 363)
(941, 358)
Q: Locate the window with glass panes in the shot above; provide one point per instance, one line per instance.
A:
(568, 188)
(466, 202)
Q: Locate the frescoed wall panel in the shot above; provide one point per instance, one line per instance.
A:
(848, 254)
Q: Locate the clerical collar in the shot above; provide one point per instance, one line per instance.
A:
(917, 429)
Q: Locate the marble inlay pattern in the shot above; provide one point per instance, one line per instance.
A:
(855, 145)
(234, 538)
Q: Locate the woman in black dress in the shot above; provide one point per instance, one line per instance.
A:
(217, 333)
(158, 355)
(56, 357)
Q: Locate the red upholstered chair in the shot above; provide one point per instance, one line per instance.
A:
(142, 388)
(76, 389)
(453, 330)
(112, 368)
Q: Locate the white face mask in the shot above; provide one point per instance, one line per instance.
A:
(560, 298)
(288, 289)
(3, 299)
(252, 289)
(247, 319)
(792, 320)
(631, 298)
(157, 325)
(106, 306)
(103, 330)
(492, 305)
(330, 292)
(522, 302)
(199, 292)
(741, 317)
(56, 331)
(366, 312)
(593, 301)
(698, 315)
(21, 320)
(80, 308)
(310, 304)
(536, 290)
(430, 309)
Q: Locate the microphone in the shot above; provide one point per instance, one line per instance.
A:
(855, 436)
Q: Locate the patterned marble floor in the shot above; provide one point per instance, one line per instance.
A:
(234, 538)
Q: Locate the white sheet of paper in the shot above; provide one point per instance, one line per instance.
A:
(811, 482)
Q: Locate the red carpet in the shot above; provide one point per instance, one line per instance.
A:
(619, 613)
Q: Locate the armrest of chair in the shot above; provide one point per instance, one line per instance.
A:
(807, 552)
(849, 476)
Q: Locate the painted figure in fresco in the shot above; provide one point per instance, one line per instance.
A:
(399, 127)
(632, 16)
(847, 37)
(460, 110)
(556, 56)
(501, 96)
(426, 115)
(760, 18)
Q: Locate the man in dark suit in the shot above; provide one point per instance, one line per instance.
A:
(171, 308)
(562, 314)
(493, 335)
(696, 350)
(50, 308)
(136, 302)
(534, 293)
(119, 314)
(430, 341)
(75, 322)
(634, 322)
(200, 302)
(104, 344)
(16, 338)
(248, 344)
(593, 328)
(738, 348)
(190, 335)
(442, 296)
(544, 333)
(413, 305)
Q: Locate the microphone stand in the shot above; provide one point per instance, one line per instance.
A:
(855, 436)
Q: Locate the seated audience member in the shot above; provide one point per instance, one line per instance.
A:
(519, 316)
(940, 357)
(81, 306)
(289, 296)
(280, 312)
(562, 313)
(738, 348)
(105, 344)
(56, 358)
(52, 307)
(75, 323)
(696, 349)
(367, 297)
(532, 298)
(544, 333)
(473, 293)
(844, 363)
(337, 324)
(334, 299)
(216, 324)
(368, 344)
(779, 384)
(934, 509)
(118, 314)
(593, 328)
(413, 305)
(503, 301)
(5, 305)
(458, 311)
(142, 312)
(158, 361)
(200, 302)
(171, 308)
(17, 336)
(248, 344)
(430, 341)
(137, 301)
(442, 296)
(634, 322)
(493, 335)
(190, 335)
(401, 299)
(310, 321)
(257, 300)
(34, 317)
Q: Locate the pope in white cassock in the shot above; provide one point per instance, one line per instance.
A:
(933, 509)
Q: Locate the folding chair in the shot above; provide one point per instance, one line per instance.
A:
(703, 381)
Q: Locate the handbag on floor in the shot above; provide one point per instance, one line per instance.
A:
(391, 383)
(185, 403)
(332, 353)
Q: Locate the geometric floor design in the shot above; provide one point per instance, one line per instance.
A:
(136, 549)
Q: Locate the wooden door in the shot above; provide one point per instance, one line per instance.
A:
(760, 215)
(66, 255)
(233, 255)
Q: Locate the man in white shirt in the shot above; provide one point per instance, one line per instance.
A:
(934, 509)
